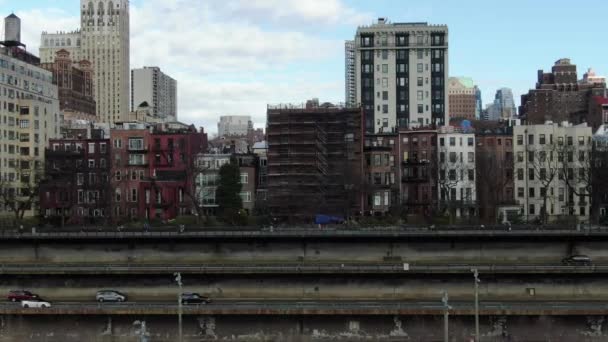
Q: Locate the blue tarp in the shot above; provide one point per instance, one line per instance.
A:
(325, 219)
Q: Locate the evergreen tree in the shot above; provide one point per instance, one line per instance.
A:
(228, 194)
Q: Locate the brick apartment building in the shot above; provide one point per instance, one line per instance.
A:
(418, 159)
(77, 187)
(559, 96)
(381, 177)
(314, 161)
(494, 166)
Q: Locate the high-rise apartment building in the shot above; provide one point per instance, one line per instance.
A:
(30, 118)
(401, 75)
(559, 96)
(462, 94)
(103, 39)
(349, 73)
(151, 85)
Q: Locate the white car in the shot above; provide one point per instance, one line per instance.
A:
(35, 304)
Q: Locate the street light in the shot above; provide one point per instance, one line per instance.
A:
(178, 279)
(446, 313)
(477, 281)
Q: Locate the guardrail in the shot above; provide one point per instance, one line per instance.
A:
(314, 268)
(305, 233)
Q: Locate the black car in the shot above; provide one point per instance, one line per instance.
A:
(577, 260)
(194, 298)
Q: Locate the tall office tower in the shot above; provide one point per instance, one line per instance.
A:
(506, 103)
(478, 103)
(105, 42)
(103, 39)
(462, 95)
(401, 75)
(349, 74)
(157, 89)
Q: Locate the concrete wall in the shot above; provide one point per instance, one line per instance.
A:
(228, 252)
(301, 329)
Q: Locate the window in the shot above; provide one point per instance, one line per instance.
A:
(133, 195)
(452, 175)
(520, 157)
(543, 174)
(531, 156)
(562, 193)
(80, 179)
(531, 139)
(532, 192)
(244, 178)
(453, 157)
(385, 68)
(91, 148)
(452, 141)
(570, 141)
(103, 148)
(385, 82)
(420, 53)
(520, 140)
(385, 95)
(520, 192)
(531, 174)
(532, 209)
(581, 141)
(471, 157)
(520, 174)
(470, 142)
(420, 67)
(471, 175)
(420, 95)
(136, 144)
(245, 196)
(542, 139)
(560, 141)
(91, 163)
(117, 176)
(385, 54)
(385, 109)
(420, 81)
(137, 159)
(118, 143)
(420, 109)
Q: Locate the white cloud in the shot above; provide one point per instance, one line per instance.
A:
(217, 50)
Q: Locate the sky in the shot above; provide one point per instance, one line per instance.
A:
(233, 57)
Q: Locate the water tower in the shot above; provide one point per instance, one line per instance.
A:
(12, 29)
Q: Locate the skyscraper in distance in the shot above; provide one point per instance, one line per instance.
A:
(349, 73)
(401, 74)
(151, 85)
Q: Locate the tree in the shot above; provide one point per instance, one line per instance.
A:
(451, 176)
(544, 162)
(228, 193)
(20, 193)
(493, 175)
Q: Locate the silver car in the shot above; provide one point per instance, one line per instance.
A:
(110, 296)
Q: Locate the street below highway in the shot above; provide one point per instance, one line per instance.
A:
(238, 307)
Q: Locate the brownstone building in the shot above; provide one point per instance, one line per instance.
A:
(381, 178)
(74, 81)
(314, 161)
(418, 160)
(494, 167)
(559, 96)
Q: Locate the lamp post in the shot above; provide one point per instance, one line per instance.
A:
(446, 313)
(476, 275)
(178, 279)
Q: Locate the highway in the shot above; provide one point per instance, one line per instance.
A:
(303, 308)
(292, 268)
(309, 233)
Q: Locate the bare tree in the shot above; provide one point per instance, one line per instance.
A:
(20, 193)
(493, 175)
(452, 175)
(544, 163)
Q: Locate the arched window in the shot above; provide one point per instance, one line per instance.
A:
(100, 8)
(91, 10)
(110, 8)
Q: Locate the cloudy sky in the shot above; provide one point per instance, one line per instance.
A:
(235, 56)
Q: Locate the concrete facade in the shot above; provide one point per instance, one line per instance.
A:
(401, 75)
(30, 118)
(151, 85)
(456, 172)
(234, 125)
(551, 168)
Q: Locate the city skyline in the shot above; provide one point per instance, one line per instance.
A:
(288, 52)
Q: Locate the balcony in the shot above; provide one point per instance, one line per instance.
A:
(416, 161)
